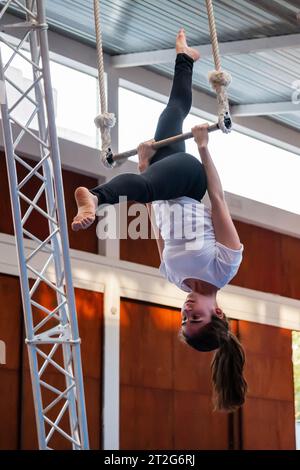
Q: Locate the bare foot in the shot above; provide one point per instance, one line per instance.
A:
(87, 204)
(182, 46)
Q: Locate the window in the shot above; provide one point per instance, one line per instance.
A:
(247, 166)
(77, 104)
(75, 98)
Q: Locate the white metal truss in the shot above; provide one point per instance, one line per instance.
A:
(52, 335)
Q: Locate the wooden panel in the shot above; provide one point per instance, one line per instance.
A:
(265, 339)
(290, 267)
(9, 409)
(181, 420)
(94, 406)
(90, 318)
(146, 416)
(154, 363)
(268, 415)
(261, 268)
(139, 251)
(146, 345)
(269, 367)
(10, 334)
(268, 425)
(269, 377)
(197, 426)
(10, 319)
(90, 321)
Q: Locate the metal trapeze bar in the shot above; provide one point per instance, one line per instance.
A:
(112, 160)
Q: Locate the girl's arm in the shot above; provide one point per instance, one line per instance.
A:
(225, 230)
(145, 153)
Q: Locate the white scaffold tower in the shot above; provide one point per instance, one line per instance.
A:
(52, 335)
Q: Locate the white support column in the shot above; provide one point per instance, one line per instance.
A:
(111, 376)
(112, 249)
(111, 350)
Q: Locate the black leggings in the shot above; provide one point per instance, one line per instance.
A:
(172, 173)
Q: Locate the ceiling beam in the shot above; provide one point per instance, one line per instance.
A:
(246, 46)
(265, 109)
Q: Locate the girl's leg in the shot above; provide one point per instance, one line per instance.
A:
(138, 187)
(179, 105)
(173, 176)
(141, 188)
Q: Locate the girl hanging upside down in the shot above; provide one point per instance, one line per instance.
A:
(171, 177)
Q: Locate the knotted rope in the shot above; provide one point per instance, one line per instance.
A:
(104, 121)
(218, 79)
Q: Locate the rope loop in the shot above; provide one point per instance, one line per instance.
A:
(105, 121)
(220, 81)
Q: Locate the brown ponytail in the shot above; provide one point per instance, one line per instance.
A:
(227, 366)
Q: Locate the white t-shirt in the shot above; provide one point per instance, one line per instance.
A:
(190, 247)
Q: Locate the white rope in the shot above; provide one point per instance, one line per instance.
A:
(104, 121)
(218, 79)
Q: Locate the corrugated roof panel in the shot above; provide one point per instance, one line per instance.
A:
(144, 25)
(257, 78)
(140, 25)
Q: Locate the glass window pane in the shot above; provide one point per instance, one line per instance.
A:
(247, 166)
(75, 98)
(76, 104)
(138, 116)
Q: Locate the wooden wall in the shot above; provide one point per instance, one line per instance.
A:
(17, 424)
(166, 393)
(139, 251)
(271, 261)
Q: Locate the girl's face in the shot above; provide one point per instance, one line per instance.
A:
(197, 311)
